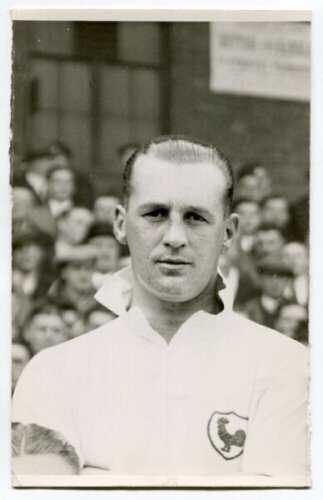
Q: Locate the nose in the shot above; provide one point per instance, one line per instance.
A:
(175, 233)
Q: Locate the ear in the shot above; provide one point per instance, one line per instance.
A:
(231, 230)
(119, 225)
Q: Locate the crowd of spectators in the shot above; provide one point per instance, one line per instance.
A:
(63, 248)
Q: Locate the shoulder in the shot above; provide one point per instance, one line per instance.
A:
(263, 342)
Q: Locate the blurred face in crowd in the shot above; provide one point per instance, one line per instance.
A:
(73, 227)
(296, 255)
(98, 318)
(45, 330)
(248, 187)
(61, 185)
(108, 253)
(249, 213)
(269, 242)
(41, 166)
(78, 275)
(23, 201)
(73, 321)
(175, 225)
(276, 211)
(20, 357)
(28, 257)
(274, 285)
(104, 208)
(290, 318)
(264, 180)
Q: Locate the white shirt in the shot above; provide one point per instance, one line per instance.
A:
(133, 404)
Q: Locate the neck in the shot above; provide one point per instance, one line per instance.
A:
(166, 317)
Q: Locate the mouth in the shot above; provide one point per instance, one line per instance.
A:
(174, 262)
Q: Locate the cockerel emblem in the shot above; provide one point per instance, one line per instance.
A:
(227, 433)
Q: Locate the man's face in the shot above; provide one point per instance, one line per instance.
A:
(45, 330)
(23, 201)
(274, 285)
(290, 318)
(269, 242)
(104, 208)
(20, 357)
(61, 185)
(74, 227)
(175, 226)
(249, 213)
(28, 257)
(78, 275)
(295, 254)
(108, 253)
(276, 212)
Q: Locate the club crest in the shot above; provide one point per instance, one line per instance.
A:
(227, 433)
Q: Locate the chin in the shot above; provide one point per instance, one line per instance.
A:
(175, 293)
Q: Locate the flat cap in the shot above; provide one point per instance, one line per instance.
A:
(77, 253)
(99, 229)
(275, 265)
(32, 236)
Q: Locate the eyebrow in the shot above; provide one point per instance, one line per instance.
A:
(189, 208)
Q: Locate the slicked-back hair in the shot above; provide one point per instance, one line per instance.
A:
(33, 439)
(181, 149)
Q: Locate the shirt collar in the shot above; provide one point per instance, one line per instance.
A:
(115, 293)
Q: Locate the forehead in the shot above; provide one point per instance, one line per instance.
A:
(106, 200)
(80, 214)
(276, 203)
(19, 351)
(78, 265)
(268, 235)
(247, 206)
(173, 183)
(61, 174)
(43, 317)
(22, 194)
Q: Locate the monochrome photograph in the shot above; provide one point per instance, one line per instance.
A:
(160, 174)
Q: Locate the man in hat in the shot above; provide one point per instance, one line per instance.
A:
(101, 236)
(32, 252)
(178, 384)
(74, 286)
(274, 277)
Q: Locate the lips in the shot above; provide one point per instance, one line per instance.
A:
(174, 262)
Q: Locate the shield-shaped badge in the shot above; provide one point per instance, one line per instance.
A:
(227, 433)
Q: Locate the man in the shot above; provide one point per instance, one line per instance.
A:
(296, 255)
(178, 384)
(250, 219)
(101, 236)
(61, 188)
(38, 163)
(32, 252)
(44, 328)
(72, 228)
(20, 356)
(74, 287)
(104, 208)
(269, 241)
(59, 200)
(275, 278)
(276, 210)
(23, 202)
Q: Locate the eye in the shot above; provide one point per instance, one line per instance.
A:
(195, 218)
(156, 215)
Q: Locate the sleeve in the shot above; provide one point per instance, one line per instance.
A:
(278, 433)
(42, 397)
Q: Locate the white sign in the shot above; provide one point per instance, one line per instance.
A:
(261, 59)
